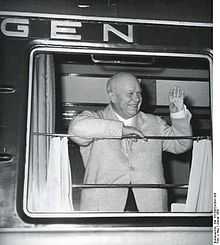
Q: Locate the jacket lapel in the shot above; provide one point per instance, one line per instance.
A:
(109, 113)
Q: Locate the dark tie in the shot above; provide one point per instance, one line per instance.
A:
(130, 205)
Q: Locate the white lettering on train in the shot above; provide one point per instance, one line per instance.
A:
(64, 29)
(61, 29)
(21, 30)
(108, 28)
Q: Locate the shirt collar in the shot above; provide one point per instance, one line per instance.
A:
(127, 122)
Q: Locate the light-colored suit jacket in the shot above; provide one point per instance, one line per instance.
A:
(107, 161)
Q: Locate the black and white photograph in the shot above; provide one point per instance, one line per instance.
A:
(107, 122)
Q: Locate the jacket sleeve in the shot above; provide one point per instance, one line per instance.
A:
(88, 125)
(179, 127)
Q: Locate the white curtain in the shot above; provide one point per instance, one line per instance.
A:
(43, 120)
(199, 196)
(58, 188)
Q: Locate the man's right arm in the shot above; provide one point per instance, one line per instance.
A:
(88, 125)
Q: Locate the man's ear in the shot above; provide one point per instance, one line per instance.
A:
(112, 96)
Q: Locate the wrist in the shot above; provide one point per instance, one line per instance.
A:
(179, 114)
(174, 109)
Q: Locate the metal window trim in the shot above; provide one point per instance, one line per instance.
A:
(107, 19)
(89, 214)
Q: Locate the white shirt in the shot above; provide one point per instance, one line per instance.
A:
(131, 121)
(127, 122)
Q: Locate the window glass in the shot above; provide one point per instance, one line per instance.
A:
(67, 84)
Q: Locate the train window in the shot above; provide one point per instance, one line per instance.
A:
(64, 84)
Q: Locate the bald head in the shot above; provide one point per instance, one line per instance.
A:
(125, 94)
(118, 80)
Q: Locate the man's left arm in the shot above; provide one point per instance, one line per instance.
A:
(180, 118)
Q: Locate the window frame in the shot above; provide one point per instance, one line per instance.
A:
(168, 218)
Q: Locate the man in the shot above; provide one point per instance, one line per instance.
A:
(108, 159)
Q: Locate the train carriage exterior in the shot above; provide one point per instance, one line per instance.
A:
(85, 42)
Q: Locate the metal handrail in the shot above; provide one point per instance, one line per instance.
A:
(130, 137)
(158, 186)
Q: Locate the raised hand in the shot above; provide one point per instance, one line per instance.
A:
(176, 96)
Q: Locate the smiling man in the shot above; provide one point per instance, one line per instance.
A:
(109, 158)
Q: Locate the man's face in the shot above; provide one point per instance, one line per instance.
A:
(127, 98)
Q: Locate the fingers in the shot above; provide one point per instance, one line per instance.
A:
(132, 131)
(135, 132)
(139, 133)
(176, 92)
(176, 97)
